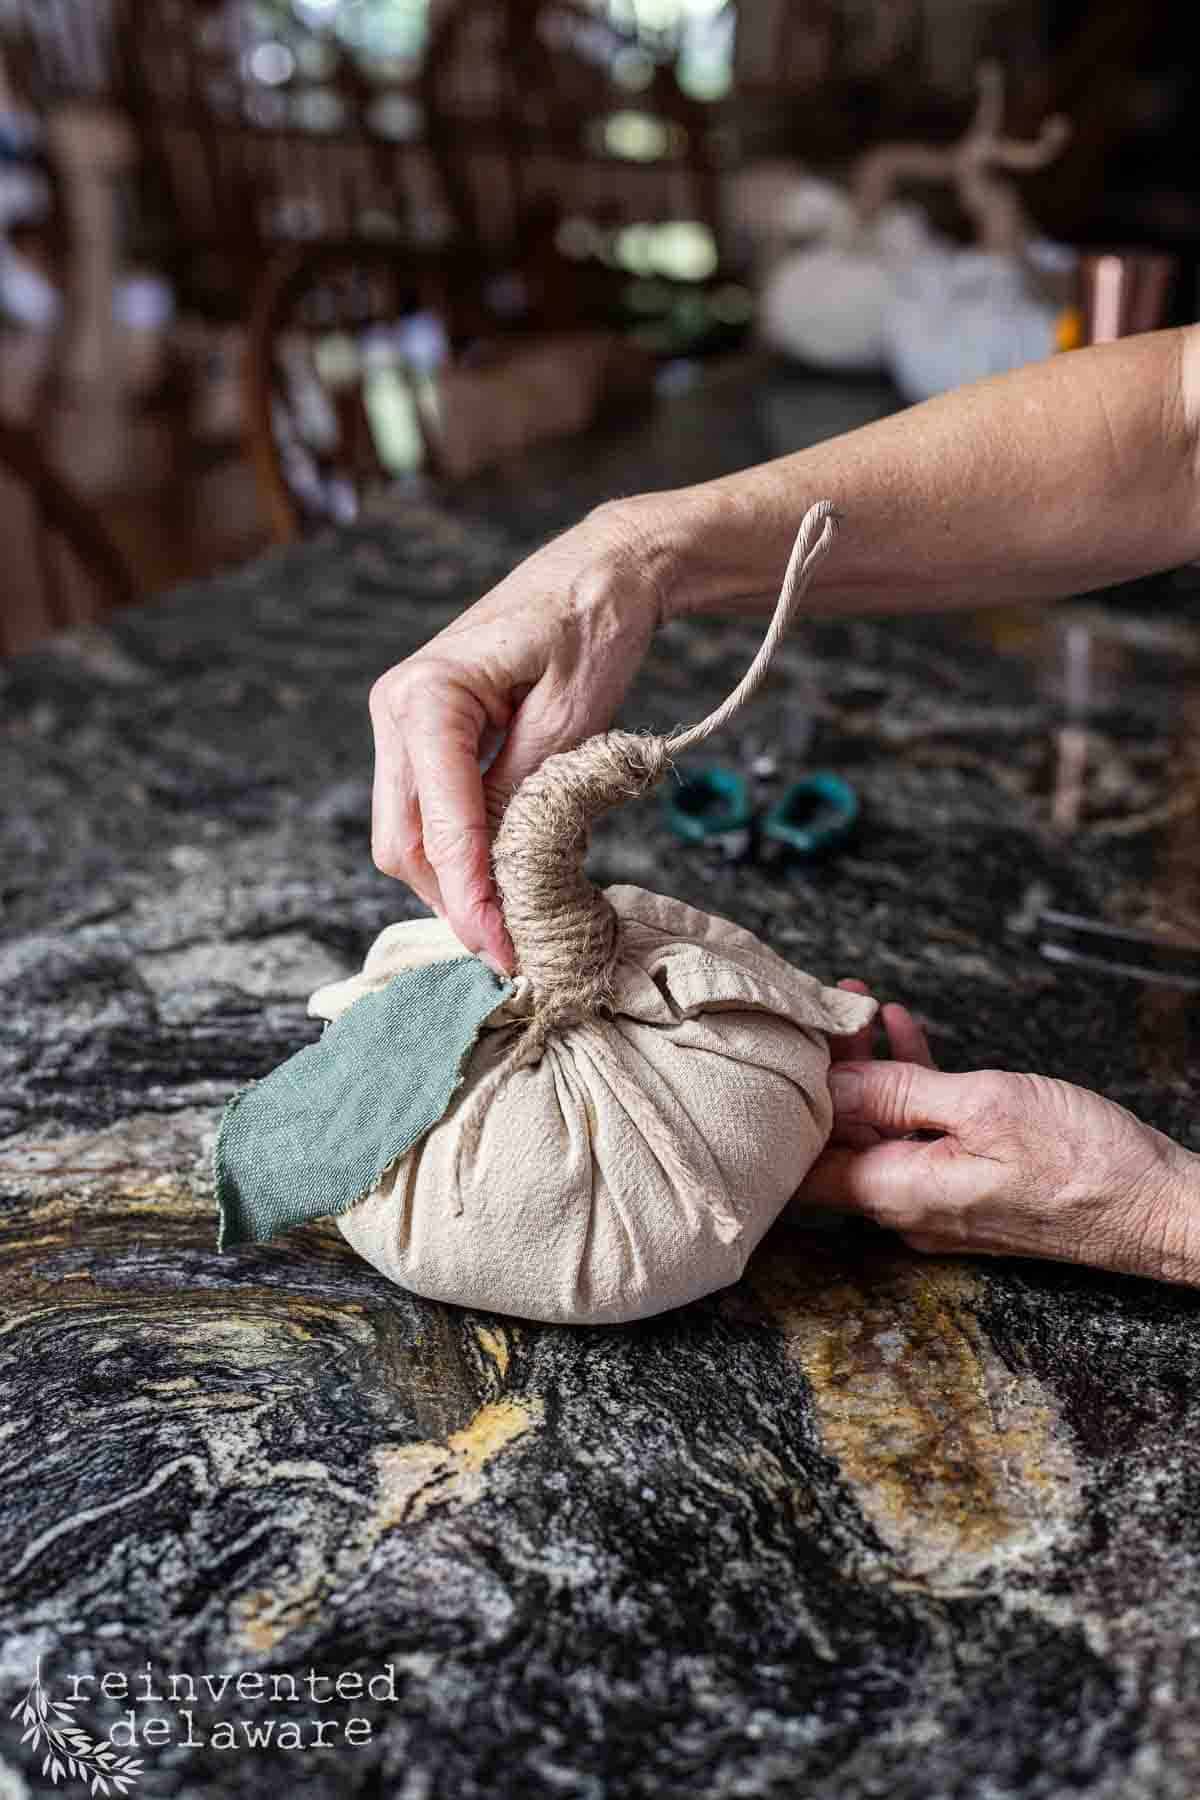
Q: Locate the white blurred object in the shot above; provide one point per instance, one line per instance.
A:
(811, 208)
(880, 290)
(422, 342)
(830, 305)
(144, 309)
(309, 405)
(26, 297)
(753, 203)
(958, 315)
(144, 303)
(24, 193)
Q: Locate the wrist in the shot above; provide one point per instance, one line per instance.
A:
(1183, 1258)
(643, 552)
(721, 546)
(1170, 1234)
(688, 544)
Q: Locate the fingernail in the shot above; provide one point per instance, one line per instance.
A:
(846, 1087)
(501, 954)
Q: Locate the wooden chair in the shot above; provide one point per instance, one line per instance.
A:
(253, 139)
(510, 114)
(64, 49)
(62, 567)
(367, 365)
(530, 108)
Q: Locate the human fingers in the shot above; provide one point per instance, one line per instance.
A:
(899, 1096)
(1025, 1166)
(906, 1038)
(396, 844)
(930, 1193)
(881, 1181)
(433, 830)
(457, 841)
(854, 1137)
(856, 1046)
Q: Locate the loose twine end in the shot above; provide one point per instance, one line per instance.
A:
(563, 929)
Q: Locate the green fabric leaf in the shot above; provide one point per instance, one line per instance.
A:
(316, 1134)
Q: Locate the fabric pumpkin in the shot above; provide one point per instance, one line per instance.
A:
(604, 1137)
(639, 1161)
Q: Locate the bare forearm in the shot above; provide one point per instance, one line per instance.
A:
(1063, 477)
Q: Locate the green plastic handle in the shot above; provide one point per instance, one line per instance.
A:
(708, 803)
(813, 815)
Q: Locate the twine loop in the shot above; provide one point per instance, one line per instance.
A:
(564, 931)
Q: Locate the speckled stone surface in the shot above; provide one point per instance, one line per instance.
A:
(866, 1525)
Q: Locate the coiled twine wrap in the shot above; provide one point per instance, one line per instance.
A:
(565, 933)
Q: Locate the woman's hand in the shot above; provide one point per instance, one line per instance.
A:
(1021, 1165)
(546, 658)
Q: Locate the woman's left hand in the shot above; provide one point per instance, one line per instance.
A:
(1005, 1165)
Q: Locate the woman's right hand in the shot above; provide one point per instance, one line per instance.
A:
(545, 659)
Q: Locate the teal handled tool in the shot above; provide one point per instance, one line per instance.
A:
(713, 805)
(811, 817)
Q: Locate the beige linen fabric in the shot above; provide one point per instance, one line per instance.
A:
(638, 1162)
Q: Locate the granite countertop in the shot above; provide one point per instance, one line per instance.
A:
(867, 1524)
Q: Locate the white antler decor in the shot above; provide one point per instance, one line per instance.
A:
(971, 165)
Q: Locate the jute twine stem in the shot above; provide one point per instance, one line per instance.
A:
(563, 929)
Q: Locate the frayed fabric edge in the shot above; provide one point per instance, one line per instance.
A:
(224, 1188)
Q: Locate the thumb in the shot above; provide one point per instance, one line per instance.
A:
(895, 1096)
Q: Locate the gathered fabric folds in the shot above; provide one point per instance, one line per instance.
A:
(606, 1136)
(636, 1164)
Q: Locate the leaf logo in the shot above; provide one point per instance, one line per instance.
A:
(70, 1750)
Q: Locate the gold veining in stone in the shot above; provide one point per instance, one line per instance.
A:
(496, 1346)
(414, 1478)
(245, 1352)
(956, 1462)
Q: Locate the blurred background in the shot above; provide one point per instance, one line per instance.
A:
(262, 260)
